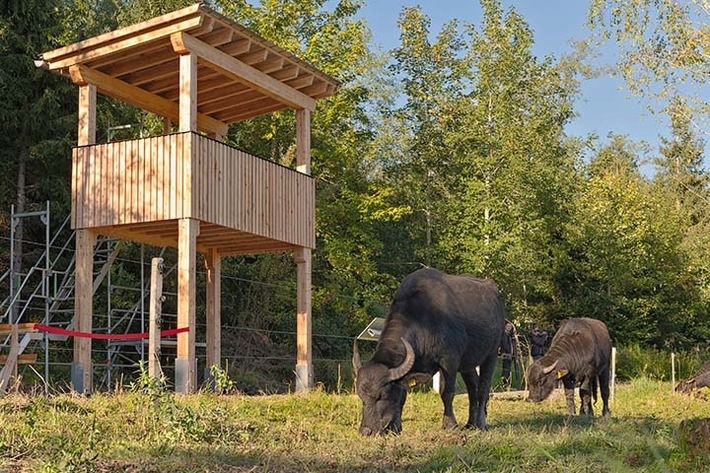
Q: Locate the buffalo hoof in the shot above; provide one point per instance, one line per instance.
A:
(449, 423)
(473, 426)
(366, 431)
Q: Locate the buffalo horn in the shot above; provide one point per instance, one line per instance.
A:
(547, 369)
(399, 371)
(357, 364)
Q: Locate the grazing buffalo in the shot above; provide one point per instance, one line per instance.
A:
(579, 354)
(700, 380)
(437, 322)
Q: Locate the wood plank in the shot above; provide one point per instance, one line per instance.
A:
(127, 93)
(144, 58)
(21, 328)
(123, 45)
(122, 32)
(23, 359)
(242, 72)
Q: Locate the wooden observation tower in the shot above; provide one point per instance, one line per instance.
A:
(188, 190)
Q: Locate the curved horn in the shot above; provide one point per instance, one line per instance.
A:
(399, 371)
(547, 369)
(357, 364)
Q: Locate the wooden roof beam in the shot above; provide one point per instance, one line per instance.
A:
(130, 94)
(184, 43)
(187, 16)
(123, 45)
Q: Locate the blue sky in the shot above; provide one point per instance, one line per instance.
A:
(605, 104)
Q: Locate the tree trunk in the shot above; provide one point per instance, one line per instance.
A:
(20, 195)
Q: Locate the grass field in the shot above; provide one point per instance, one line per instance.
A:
(133, 432)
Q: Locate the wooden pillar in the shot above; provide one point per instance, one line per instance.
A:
(304, 336)
(185, 370)
(83, 310)
(303, 141)
(81, 375)
(87, 115)
(213, 262)
(155, 371)
(188, 92)
(185, 363)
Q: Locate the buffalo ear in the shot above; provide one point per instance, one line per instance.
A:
(562, 373)
(415, 379)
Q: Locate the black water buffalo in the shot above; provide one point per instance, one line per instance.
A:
(437, 322)
(700, 380)
(579, 354)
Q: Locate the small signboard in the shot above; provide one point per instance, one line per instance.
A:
(373, 330)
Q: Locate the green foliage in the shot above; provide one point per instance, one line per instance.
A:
(223, 384)
(663, 46)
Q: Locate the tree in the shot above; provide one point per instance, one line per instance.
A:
(681, 173)
(624, 265)
(515, 168)
(37, 116)
(664, 48)
(418, 162)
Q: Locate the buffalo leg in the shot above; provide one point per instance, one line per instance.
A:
(604, 388)
(585, 397)
(472, 385)
(477, 417)
(568, 383)
(586, 406)
(448, 389)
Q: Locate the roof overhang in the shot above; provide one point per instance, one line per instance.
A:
(240, 75)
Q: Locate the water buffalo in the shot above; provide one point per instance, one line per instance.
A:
(579, 354)
(437, 322)
(700, 380)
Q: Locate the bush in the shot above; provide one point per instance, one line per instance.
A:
(634, 361)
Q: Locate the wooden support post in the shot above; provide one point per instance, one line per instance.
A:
(304, 336)
(303, 141)
(185, 379)
(167, 126)
(87, 115)
(156, 312)
(83, 310)
(613, 373)
(213, 262)
(672, 371)
(188, 92)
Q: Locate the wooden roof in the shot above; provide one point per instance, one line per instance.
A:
(240, 74)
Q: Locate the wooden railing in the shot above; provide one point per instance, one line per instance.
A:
(187, 175)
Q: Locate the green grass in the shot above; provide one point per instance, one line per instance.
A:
(134, 432)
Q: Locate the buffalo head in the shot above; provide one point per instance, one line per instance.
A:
(383, 391)
(543, 379)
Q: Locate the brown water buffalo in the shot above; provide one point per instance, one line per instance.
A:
(579, 354)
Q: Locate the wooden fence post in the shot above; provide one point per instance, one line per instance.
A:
(156, 312)
(613, 373)
(672, 371)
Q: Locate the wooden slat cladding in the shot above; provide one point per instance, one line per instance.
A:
(236, 190)
(187, 175)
